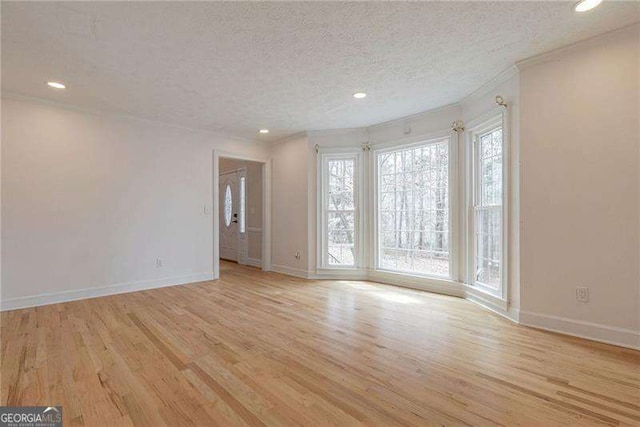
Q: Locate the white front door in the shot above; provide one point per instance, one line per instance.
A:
(229, 206)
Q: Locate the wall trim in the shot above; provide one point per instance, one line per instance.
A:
(14, 96)
(340, 274)
(291, 271)
(341, 131)
(445, 287)
(493, 304)
(254, 262)
(481, 295)
(553, 54)
(491, 85)
(587, 330)
(581, 329)
(288, 138)
(88, 293)
(266, 206)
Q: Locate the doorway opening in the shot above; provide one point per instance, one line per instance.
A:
(241, 213)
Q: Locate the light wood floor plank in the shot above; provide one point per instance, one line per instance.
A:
(262, 349)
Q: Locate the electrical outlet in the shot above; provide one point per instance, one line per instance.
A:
(158, 262)
(582, 294)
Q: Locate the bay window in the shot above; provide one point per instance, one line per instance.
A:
(435, 210)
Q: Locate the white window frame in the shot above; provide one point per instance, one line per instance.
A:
(494, 119)
(453, 205)
(323, 197)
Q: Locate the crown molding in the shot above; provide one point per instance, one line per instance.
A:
(489, 86)
(413, 117)
(289, 138)
(35, 100)
(341, 131)
(553, 54)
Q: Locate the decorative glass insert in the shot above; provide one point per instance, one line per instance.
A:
(340, 213)
(413, 210)
(228, 205)
(488, 208)
(243, 202)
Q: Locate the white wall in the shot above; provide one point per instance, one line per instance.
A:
(414, 127)
(580, 141)
(254, 210)
(90, 201)
(290, 211)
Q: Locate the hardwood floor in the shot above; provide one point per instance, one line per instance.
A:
(267, 349)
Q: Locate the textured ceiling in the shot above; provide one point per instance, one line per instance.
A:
(235, 67)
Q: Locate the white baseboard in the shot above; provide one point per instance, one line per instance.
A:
(492, 303)
(291, 271)
(592, 331)
(253, 262)
(577, 328)
(340, 274)
(445, 287)
(66, 296)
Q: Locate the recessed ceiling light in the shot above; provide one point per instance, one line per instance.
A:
(584, 5)
(359, 95)
(56, 85)
(264, 131)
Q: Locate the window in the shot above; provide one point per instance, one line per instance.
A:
(228, 202)
(339, 212)
(439, 208)
(413, 209)
(488, 208)
(243, 203)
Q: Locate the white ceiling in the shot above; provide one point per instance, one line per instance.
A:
(236, 67)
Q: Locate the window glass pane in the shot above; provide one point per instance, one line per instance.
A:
(340, 213)
(488, 209)
(243, 201)
(228, 202)
(413, 204)
(387, 164)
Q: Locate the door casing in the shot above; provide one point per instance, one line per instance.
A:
(266, 204)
